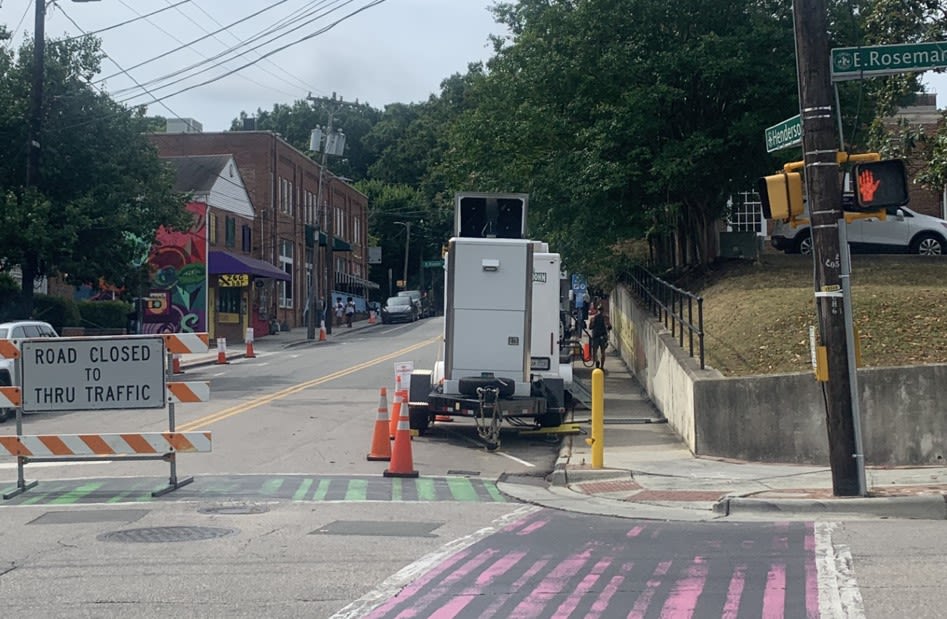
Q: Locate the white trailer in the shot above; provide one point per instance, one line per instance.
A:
(501, 329)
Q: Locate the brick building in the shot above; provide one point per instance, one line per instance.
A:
(283, 185)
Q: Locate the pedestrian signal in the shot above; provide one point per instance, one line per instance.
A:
(781, 195)
(880, 184)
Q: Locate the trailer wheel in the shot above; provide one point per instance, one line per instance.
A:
(419, 419)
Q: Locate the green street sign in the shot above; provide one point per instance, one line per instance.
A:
(785, 134)
(852, 63)
(432, 264)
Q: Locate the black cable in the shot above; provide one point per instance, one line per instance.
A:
(125, 23)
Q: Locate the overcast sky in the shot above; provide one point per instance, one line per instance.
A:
(394, 51)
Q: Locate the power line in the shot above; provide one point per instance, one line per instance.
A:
(268, 54)
(178, 78)
(130, 21)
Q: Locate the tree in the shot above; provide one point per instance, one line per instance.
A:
(100, 186)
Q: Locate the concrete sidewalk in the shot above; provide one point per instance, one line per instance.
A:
(650, 473)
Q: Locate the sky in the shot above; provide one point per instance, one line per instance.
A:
(379, 52)
(392, 51)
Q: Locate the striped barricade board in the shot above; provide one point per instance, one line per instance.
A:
(186, 392)
(71, 445)
(10, 397)
(184, 343)
(9, 350)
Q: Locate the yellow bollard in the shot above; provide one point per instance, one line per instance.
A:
(598, 419)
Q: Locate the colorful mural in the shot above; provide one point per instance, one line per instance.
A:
(177, 299)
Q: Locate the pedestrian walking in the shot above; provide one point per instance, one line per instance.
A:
(349, 312)
(599, 326)
(339, 311)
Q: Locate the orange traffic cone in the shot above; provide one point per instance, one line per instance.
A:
(221, 351)
(402, 464)
(395, 413)
(176, 364)
(249, 338)
(381, 445)
(322, 331)
(371, 317)
(586, 352)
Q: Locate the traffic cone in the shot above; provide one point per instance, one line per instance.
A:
(371, 317)
(381, 445)
(222, 351)
(249, 338)
(322, 330)
(586, 352)
(402, 464)
(395, 414)
(176, 364)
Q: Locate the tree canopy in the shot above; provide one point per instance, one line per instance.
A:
(100, 188)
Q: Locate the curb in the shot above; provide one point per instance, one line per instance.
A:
(909, 507)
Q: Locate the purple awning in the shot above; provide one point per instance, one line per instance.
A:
(222, 262)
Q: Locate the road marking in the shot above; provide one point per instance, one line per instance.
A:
(514, 458)
(207, 420)
(397, 581)
(838, 592)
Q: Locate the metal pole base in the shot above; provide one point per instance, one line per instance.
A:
(172, 486)
(20, 489)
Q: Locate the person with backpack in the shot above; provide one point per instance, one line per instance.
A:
(599, 326)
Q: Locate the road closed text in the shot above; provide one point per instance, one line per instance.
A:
(96, 354)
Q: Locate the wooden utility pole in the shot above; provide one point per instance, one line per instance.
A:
(825, 210)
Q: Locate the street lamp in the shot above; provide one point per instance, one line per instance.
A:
(407, 239)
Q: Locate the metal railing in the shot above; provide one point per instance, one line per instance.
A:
(672, 306)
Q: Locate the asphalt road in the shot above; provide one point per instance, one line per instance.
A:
(286, 517)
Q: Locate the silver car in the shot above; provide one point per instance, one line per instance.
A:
(902, 231)
(19, 330)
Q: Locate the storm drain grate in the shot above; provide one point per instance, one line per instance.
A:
(379, 529)
(158, 535)
(463, 473)
(237, 509)
(83, 516)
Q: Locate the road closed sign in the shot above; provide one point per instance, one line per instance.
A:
(75, 374)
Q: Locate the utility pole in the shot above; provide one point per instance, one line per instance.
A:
(825, 211)
(336, 144)
(36, 94)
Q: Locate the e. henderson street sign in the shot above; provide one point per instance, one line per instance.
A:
(785, 134)
(852, 63)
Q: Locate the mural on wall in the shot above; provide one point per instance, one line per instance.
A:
(176, 301)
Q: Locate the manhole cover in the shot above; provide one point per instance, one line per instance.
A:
(234, 510)
(157, 535)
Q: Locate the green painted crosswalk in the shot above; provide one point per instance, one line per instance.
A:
(335, 488)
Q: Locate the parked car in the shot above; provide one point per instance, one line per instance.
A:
(902, 231)
(399, 309)
(422, 301)
(19, 330)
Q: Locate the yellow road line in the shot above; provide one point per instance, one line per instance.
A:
(243, 407)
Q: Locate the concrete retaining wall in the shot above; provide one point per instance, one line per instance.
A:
(780, 417)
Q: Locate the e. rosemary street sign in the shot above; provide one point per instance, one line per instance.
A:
(785, 134)
(852, 63)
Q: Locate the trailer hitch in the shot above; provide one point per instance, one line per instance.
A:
(488, 416)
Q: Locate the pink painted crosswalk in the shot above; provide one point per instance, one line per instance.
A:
(558, 565)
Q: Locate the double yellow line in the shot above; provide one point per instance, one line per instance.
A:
(203, 422)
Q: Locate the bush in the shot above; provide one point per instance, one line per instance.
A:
(104, 314)
(57, 311)
(11, 305)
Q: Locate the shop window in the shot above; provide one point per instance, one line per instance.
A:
(228, 300)
(246, 243)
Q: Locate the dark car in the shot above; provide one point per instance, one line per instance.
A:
(399, 309)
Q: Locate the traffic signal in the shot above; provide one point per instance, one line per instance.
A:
(880, 184)
(781, 195)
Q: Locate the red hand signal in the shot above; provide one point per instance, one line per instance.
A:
(867, 185)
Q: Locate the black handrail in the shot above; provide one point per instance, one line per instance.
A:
(666, 302)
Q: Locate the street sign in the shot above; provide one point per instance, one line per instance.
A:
(785, 134)
(432, 264)
(852, 63)
(95, 373)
